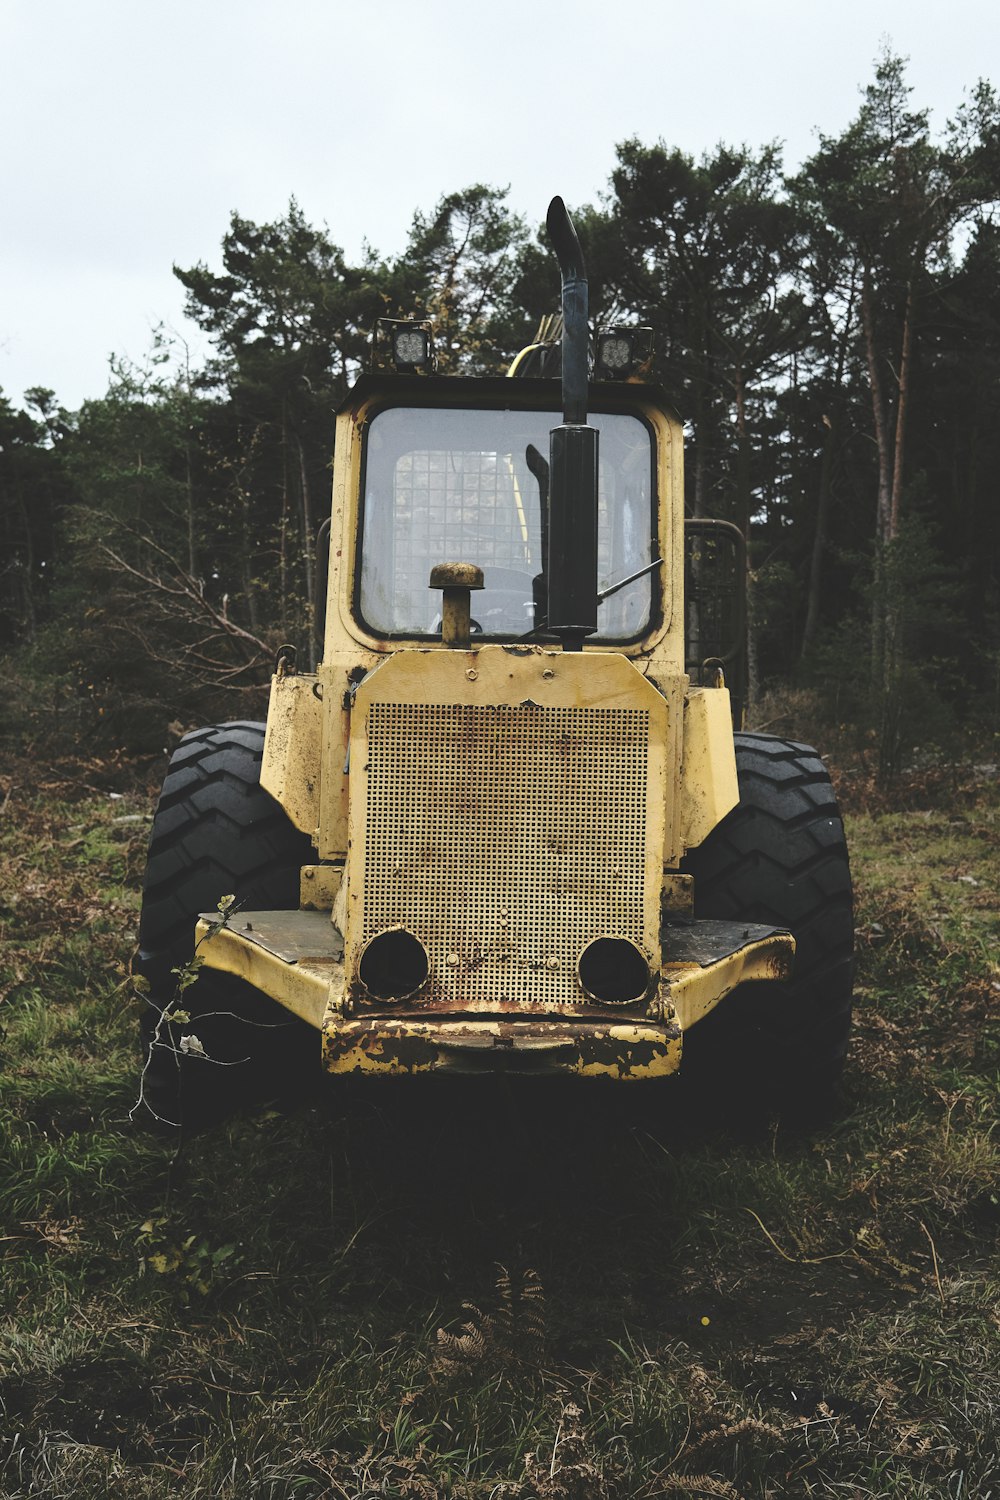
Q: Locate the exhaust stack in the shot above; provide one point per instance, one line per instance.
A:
(571, 565)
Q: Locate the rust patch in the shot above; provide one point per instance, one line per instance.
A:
(479, 1046)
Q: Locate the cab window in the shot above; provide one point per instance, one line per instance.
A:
(447, 485)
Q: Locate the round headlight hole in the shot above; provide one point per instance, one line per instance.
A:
(393, 965)
(614, 970)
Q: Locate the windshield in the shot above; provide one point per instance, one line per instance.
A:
(466, 486)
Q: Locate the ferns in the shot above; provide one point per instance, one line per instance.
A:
(511, 1336)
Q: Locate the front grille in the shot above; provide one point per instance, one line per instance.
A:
(505, 838)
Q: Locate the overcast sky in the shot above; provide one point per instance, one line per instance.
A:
(132, 128)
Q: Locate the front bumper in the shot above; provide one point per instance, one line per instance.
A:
(297, 958)
(496, 1045)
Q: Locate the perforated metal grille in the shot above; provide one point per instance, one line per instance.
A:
(505, 839)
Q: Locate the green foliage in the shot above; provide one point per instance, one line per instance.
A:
(196, 1265)
(718, 237)
(283, 315)
(905, 699)
(33, 491)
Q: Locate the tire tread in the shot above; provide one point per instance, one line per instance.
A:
(780, 858)
(216, 832)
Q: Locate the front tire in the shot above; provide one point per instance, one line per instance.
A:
(216, 832)
(780, 857)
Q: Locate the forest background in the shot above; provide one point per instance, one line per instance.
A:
(831, 339)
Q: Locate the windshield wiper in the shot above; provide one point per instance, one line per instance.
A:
(624, 582)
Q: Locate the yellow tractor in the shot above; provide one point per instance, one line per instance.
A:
(506, 825)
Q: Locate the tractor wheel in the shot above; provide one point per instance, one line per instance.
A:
(779, 857)
(216, 833)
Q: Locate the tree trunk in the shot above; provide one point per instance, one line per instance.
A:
(246, 558)
(27, 571)
(744, 499)
(879, 421)
(703, 448)
(192, 560)
(704, 407)
(883, 508)
(825, 499)
(744, 505)
(283, 528)
(700, 470)
(886, 626)
(902, 411)
(307, 550)
(814, 595)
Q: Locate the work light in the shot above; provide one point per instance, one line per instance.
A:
(620, 351)
(411, 346)
(408, 345)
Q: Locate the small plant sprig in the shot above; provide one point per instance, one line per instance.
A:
(192, 1262)
(174, 1013)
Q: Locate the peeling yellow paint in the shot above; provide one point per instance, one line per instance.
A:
(319, 886)
(708, 787)
(303, 987)
(395, 1047)
(292, 767)
(689, 991)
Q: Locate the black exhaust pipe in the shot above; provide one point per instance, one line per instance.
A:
(571, 565)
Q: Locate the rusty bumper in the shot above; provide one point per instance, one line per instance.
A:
(297, 959)
(410, 1045)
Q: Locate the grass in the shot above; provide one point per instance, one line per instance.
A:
(533, 1292)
